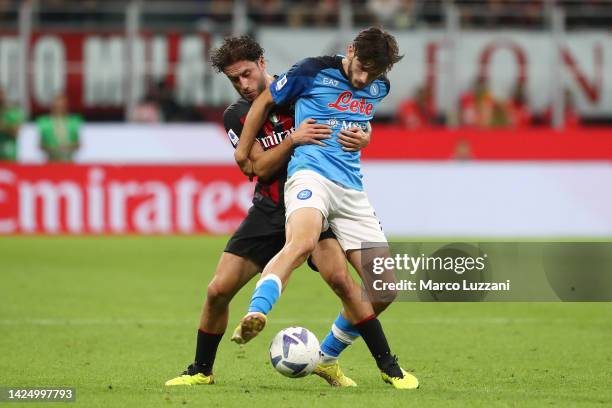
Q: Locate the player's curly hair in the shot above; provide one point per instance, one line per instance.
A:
(376, 49)
(235, 49)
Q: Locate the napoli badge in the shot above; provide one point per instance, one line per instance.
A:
(374, 89)
(304, 194)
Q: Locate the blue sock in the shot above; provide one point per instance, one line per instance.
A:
(341, 335)
(266, 294)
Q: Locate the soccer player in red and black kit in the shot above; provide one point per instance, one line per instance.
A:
(262, 234)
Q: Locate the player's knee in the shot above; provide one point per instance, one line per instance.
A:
(381, 299)
(343, 286)
(217, 294)
(386, 297)
(303, 248)
(380, 307)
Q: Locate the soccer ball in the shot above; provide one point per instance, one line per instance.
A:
(295, 352)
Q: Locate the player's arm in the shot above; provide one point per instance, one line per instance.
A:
(233, 127)
(255, 119)
(284, 90)
(267, 162)
(355, 138)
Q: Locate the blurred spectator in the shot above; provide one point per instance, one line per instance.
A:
(518, 110)
(10, 121)
(478, 105)
(148, 109)
(463, 150)
(500, 115)
(571, 118)
(297, 14)
(59, 131)
(417, 112)
(170, 108)
(267, 11)
(384, 10)
(392, 13)
(326, 13)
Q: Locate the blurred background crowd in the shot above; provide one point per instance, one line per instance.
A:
(300, 13)
(417, 106)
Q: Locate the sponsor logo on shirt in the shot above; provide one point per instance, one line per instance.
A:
(346, 124)
(275, 138)
(346, 102)
(329, 81)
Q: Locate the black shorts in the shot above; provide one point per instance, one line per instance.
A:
(261, 236)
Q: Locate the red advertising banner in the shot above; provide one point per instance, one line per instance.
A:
(106, 199)
(397, 143)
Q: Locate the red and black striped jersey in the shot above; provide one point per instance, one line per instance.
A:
(269, 194)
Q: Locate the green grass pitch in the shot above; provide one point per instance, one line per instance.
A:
(116, 316)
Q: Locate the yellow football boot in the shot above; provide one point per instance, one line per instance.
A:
(409, 382)
(332, 373)
(250, 326)
(191, 377)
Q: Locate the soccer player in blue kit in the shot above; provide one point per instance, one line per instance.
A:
(324, 187)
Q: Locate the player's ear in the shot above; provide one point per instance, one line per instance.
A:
(350, 51)
(261, 63)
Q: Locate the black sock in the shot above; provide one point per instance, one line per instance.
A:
(206, 351)
(374, 337)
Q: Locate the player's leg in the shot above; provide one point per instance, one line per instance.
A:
(333, 269)
(232, 273)
(254, 243)
(303, 229)
(356, 227)
(328, 254)
(306, 208)
(362, 260)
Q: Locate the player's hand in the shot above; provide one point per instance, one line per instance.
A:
(247, 169)
(241, 159)
(311, 132)
(353, 139)
(245, 164)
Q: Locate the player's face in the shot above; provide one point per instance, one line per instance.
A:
(359, 76)
(247, 77)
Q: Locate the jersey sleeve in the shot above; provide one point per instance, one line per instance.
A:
(296, 82)
(233, 123)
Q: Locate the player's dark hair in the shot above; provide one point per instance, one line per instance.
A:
(376, 49)
(235, 49)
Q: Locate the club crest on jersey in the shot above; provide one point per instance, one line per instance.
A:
(374, 89)
(304, 194)
(346, 102)
(332, 122)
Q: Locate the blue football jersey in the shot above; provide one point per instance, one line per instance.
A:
(320, 89)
